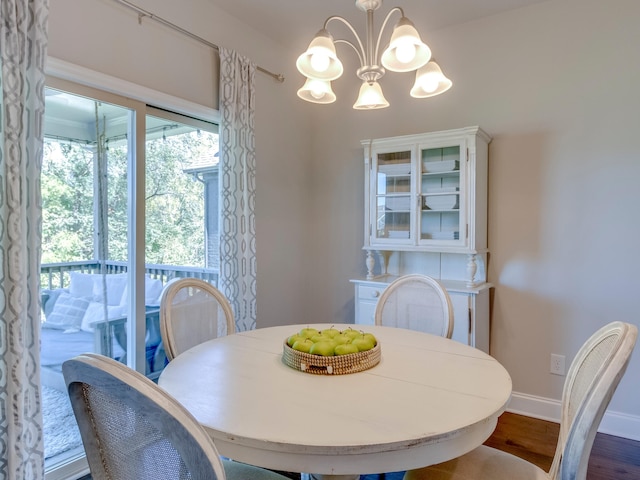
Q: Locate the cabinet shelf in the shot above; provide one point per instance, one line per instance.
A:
(442, 191)
(453, 173)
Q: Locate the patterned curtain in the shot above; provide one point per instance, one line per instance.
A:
(23, 45)
(238, 187)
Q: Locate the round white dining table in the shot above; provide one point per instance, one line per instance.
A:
(430, 399)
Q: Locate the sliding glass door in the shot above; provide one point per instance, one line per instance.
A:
(129, 203)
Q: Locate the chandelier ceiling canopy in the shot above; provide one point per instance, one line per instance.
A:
(406, 52)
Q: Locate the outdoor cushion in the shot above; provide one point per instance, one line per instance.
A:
(67, 312)
(115, 283)
(152, 292)
(82, 284)
(91, 286)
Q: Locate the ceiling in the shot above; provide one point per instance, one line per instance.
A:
(289, 20)
(70, 117)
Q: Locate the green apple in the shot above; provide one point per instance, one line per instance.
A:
(346, 348)
(362, 343)
(303, 345)
(323, 347)
(341, 339)
(331, 332)
(319, 337)
(293, 339)
(351, 333)
(371, 337)
(308, 332)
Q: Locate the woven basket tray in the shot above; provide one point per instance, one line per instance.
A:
(334, 365)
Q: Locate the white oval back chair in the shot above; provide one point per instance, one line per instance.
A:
(592, 379)
(192, 311)
(132, 429)
(416, 302)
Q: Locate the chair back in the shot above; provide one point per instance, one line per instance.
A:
(591, 381)
(192, 311)
(132, 429)
(416, 302)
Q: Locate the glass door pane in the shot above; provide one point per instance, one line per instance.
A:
(440, 182)
(392, 209)
(181, 234)
(84, 249)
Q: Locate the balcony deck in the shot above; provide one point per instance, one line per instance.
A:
(57, 275)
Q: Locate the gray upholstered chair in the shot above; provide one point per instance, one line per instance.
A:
(592, 379)
(416, 302)
(131, 429)
(191, 312)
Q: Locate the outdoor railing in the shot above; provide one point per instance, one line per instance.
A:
(56, 275)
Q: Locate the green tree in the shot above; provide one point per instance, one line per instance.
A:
(67, 201)
(174, 200)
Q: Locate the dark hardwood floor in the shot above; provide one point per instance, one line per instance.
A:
(612, 458)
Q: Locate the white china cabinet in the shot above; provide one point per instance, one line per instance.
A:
(426, 212)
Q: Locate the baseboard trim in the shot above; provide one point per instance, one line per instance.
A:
(613, 423)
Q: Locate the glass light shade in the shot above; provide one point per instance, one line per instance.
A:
(406, 51)
(317, 91)
(430, 81)
(320, 61)
(370, 97)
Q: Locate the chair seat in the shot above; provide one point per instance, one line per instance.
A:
(483, 463)
(241, 471)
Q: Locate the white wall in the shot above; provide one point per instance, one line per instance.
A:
(556, 85)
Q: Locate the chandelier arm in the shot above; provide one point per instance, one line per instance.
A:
(354, 48)
(362, 53)
(384, 24)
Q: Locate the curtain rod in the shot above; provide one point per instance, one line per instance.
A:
(143, 13)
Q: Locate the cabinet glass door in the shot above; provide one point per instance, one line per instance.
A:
(391, 208)
(441, 195)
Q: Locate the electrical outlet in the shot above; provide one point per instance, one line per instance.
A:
(557, 364)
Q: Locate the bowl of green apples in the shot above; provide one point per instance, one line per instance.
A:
(331, 351)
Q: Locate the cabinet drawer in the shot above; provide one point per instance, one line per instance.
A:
(369, 293)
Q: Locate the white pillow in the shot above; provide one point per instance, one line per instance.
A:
(95, 313)
(67, 312)
(152, 292)
(89, 286)
(82, 284)
(115, 283)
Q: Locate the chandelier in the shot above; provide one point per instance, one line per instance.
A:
(405, 53)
